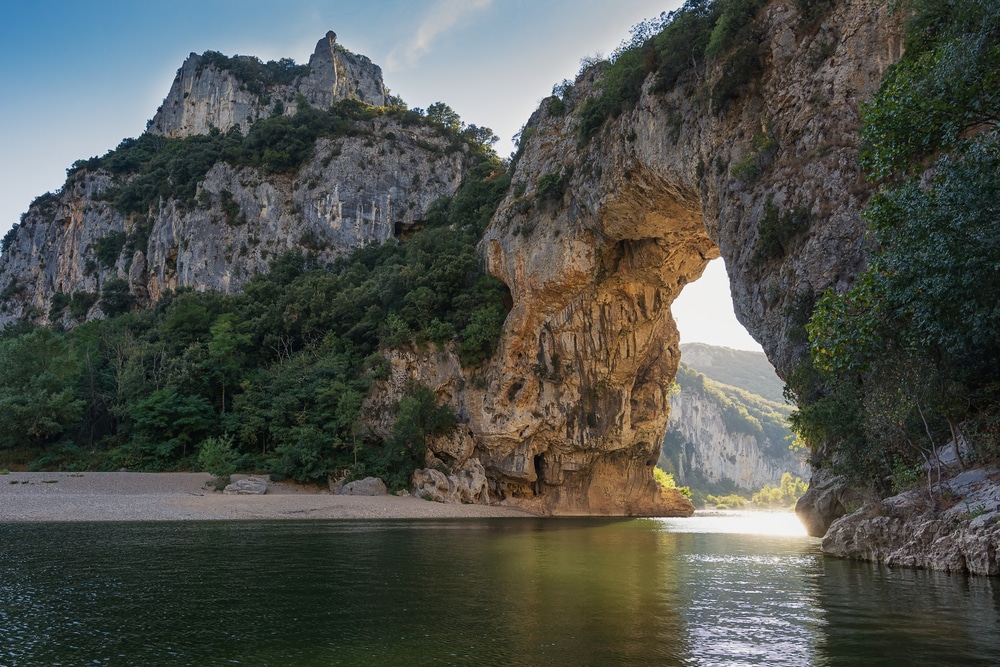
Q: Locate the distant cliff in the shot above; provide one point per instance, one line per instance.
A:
(722, 437)
(215, 91)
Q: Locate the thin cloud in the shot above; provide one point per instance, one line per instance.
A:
(442, 17)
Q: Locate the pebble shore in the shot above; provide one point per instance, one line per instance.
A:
(178, 496)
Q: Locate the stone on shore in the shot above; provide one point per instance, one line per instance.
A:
(247, 486)
(369, 486)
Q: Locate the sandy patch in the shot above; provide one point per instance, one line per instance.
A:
(176, 496)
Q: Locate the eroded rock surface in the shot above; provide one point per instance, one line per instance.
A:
(596, 240)
(955, 530)
(203, 96)
(352, 191)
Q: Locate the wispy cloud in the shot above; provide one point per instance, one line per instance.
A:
(441, 18)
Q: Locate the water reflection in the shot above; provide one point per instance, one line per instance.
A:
(697, 592)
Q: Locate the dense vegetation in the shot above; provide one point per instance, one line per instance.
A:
(272, 379)
(782, 495)
(908, 358)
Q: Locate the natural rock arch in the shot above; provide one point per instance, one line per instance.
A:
(597, 238)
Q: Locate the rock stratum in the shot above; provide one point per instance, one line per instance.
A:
(595, 240)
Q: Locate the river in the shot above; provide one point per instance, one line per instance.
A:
(725, 589)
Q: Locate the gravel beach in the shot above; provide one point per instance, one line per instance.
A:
(181, 496)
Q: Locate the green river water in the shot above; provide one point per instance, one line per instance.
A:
(730, 589)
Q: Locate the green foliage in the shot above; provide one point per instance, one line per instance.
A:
(726, 502)
(218, 457)
(812, 11)
(673, 45)
(785, 494)
(418, 417)
(734, 25)
(906, 359)
(274, 378)
(666, 480)
(741, 68)
(108, 248)
(38, 379)
(9, 238)
(947, 84)
(80, 304)
(552, 186)
(777, 231)
(116, 298)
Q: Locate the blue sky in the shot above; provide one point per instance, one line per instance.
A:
(80, 76)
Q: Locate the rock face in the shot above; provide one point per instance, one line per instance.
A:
(717, 453)
(204, 96)
(352, 191)
(462, 484)
(823, 503)
(596, 241)
(909, 530)
(247, 486)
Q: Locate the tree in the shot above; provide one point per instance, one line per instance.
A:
(39, 377)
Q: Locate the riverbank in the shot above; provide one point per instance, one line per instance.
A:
(955, 529)
(178, 496)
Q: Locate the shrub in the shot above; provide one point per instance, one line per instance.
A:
(108, 248)
(217, 457)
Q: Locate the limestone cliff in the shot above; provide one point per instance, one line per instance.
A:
(712, 437)
(597, 238)
(210, 91)
(352, 191)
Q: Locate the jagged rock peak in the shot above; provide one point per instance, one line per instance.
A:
(215, 91)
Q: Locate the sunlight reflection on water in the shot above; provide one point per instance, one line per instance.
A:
(737, 522)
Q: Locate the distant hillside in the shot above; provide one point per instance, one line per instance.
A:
(737, 368)
(728, 426)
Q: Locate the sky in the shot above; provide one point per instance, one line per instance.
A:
(81, 76)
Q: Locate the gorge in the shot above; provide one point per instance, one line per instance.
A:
(613, 205)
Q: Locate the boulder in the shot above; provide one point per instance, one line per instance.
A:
(463, 484)
(247, 486)
(822, 504)
(369, 486)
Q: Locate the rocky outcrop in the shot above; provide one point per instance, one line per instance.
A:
(595, 240)
(955, 529)
(205, 95)
(352, 191)
(823, 503)
(464, 483)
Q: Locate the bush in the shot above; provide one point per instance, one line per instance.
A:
(217, 457)
(108, 248)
